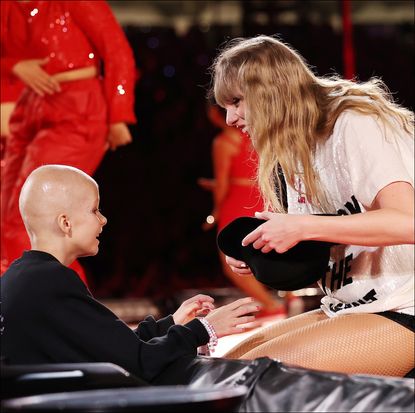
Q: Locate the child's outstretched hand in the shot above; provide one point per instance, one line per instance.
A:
(229, 319)
(199, 305)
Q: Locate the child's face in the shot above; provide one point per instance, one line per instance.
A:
(87, 223)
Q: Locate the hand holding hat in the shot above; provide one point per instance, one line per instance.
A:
(278, 232)
(297, 267)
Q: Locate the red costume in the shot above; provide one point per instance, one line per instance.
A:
(69, 127)
(241, 199)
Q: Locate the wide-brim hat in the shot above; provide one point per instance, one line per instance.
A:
(299, 267)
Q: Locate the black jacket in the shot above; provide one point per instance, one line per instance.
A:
(49, 316)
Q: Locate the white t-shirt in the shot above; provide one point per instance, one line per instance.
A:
(354, 164)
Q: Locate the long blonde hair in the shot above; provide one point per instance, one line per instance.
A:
(290, 110)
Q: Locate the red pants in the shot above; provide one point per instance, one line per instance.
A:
(68, 128)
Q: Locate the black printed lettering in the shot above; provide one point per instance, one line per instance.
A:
(338, 307)
(352, 207)
(347, 268)
(324, 279)
(342, 212)
(370, 297)
(336, 275)
(339, 273)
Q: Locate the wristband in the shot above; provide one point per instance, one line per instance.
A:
(213, 338)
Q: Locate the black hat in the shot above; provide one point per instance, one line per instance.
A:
(299, 267)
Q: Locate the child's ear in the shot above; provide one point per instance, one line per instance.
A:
(64, 224)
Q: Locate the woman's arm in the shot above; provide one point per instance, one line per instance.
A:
(222, 154)
(389, 221)
(98, 23)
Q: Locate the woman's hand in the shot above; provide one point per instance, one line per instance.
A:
(199, 305)
(238, 267)
(30, 72)
(118, 135)
(207, 184)
(280, 233)
(230, 318)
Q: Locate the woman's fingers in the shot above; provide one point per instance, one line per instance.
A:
(252, 236)
(266, 248)
(258, 244)
(234, 262)
(264, 215)
(238, 267)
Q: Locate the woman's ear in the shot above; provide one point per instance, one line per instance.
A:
(64, 224)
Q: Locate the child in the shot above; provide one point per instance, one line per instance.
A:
(49, 316)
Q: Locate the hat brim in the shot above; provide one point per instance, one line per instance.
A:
(299, 267)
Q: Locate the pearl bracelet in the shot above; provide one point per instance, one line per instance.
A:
(213, 338)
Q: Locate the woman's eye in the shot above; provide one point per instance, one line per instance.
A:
(235, 101)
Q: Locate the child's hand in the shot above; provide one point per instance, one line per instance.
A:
(230, 318)
(199, 305)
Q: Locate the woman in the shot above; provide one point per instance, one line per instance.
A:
(345, 148)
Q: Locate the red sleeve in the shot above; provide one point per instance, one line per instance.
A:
(11, 86)
(97, 22)
(7, 64)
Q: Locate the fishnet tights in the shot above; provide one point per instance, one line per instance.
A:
(352, 344)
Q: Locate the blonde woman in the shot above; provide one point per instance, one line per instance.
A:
(344, 148)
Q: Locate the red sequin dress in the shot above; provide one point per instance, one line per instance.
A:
(241, 199)
(69, 127)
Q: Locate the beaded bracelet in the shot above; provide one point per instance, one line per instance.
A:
(213, 338)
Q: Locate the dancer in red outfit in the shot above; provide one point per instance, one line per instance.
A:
(11, 86)
(67, 114)
(236, 194)
(10, 89)
(242, 197)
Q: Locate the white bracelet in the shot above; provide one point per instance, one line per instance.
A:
(213, 338)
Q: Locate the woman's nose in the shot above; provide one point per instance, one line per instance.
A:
(231, 117)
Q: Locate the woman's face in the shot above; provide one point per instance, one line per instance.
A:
(235, 113)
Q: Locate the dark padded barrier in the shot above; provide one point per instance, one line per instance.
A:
(215, 384)
(25, 380)
(149, 399)
(275, 387)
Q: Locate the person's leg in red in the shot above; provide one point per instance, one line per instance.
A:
(72, 133)
(22, 130)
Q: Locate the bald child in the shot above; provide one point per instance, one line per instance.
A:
(49, 315)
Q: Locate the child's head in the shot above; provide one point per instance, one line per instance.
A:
(60, 205)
